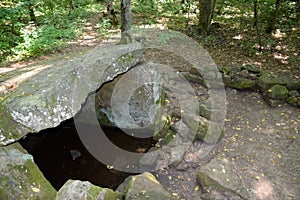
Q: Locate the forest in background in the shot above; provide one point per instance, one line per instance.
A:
(32, 28)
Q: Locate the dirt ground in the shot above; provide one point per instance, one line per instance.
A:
(264, 143)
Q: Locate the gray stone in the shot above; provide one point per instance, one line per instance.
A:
(293, 101)
(225, 70)
(244, 73)
(251, 68)
(144, 186)
(272, 102)
(130, 100)
(219, 175)
(293, 85)
(294, 93)
(226, 79)
(242, 83)
(20, 177)
(84, 190)
(269, 79)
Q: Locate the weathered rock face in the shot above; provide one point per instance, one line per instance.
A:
(144, 186)
(56, 93)
(20, 178)
(84, 190)
(130, 101)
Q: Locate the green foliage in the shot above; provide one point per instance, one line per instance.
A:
(103, 27)
(55, 25)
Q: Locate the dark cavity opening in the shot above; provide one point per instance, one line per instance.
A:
(60, 155)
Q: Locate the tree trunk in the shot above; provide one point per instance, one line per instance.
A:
(256, 25)
(255, 13)
(126, 20)
(273, 18)
(206, 11)
(31, 13)
(72, 7)
(221, 5)
(111, 12)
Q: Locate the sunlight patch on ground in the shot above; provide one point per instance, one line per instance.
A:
(238, 37)
(278, 34)
(15, 81)
(264, 190)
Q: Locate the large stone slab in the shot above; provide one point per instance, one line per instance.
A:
(57, 92)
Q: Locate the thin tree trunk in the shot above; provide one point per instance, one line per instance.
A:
(31, 13)
(111, 12)
(219, 12)
(255, 13)
(126, 20)
(256, 24)
(272, 22)
(72, 7)
(206, 11)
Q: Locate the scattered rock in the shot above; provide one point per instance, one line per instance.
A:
(269, 79)
(293, 101)
(242, 83)
(226, 79)
(84, 190)
(144, 186)
(251, 68)
(294, 93)
(272, 102)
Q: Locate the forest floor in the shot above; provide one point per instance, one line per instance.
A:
(263, 141)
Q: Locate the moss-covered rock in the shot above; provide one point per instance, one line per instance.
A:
(269, 79)
(294, 93)
(293, 101)
(20, 177)
(251, 68)
(277, 92)
(144, 186)
(242, 83)
(84, 190)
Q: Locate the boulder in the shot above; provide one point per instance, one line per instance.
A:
(277, 92)
(84, 190)
(20, 178)
(144, 186)
(56, 93)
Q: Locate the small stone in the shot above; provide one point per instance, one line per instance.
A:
(294, 93)
(251, 68)
(293, 101)
(242, 83)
